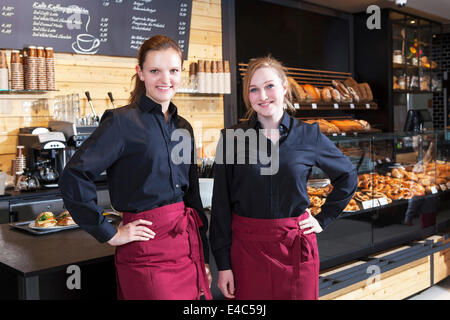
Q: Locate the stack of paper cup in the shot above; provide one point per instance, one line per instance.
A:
(16, 70)
(50, 68)
(41, 69)
(31, 71)
(4, 74)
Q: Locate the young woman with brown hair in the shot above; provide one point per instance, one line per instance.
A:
(161, 245)
(262, 235)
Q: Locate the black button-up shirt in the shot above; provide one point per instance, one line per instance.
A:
(240, 188)
(133, 144)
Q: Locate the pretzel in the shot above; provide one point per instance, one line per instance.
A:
(360, 196)
(395, 194)
(315, 210)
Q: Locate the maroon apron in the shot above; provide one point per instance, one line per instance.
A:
(273, 260)
(170, 266)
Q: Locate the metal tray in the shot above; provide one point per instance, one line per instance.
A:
(23, 225)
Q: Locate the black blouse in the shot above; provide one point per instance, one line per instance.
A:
(240, 188)
(133, 144)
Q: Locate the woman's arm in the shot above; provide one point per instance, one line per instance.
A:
(342, 174)
(76, 183)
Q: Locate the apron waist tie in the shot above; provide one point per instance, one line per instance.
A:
(191, 222)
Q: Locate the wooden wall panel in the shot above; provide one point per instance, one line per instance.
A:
(101, 74)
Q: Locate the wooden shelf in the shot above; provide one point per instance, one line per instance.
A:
(336, 106)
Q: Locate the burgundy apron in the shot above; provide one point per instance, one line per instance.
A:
(170, 266)
(273, 260)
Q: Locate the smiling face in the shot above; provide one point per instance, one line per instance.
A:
(266, 93)
(161, 73)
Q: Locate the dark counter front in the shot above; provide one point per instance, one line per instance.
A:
(65, 265)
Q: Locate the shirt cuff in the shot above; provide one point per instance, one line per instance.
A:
(103, 232)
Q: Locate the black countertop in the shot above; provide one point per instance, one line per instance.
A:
(27, 254)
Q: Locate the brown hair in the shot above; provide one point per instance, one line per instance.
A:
(158, 42)
(257, 63)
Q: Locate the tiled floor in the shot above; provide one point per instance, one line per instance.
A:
(440, 291)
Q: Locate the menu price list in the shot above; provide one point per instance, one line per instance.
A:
(94, 27)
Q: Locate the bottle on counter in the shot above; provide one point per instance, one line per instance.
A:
(227, 77)
(201, 76)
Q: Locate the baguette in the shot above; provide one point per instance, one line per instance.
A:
(339, 86)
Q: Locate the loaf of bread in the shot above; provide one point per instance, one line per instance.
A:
(339, 86)
(325, 94)
(311, 92)
(348, 125)
(318, 93)
(335, 95)
(298, 92)
(325, 126)
(351, 83)
(367, 91)
(353, 94)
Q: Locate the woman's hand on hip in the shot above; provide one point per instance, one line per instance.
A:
(310, 223)
(226, 283)
(133, 231)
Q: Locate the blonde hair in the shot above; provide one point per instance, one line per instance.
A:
(274, 64)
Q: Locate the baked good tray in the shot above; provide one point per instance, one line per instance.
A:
(24, 226)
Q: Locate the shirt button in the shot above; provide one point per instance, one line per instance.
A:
(177, 185)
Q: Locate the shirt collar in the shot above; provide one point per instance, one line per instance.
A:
(148, 105)
(285, 122)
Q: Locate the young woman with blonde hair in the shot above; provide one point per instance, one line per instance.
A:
(262, 236)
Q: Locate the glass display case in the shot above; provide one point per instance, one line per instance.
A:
(403, 188)
(414, 70)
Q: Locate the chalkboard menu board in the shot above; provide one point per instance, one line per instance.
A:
(102, 27)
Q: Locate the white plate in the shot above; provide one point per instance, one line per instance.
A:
(32, 226)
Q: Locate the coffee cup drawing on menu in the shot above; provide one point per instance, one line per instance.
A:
(86, 44)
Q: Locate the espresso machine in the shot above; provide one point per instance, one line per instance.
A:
(75, 135)
(44, 151)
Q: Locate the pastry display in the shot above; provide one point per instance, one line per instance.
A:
(397, 184)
